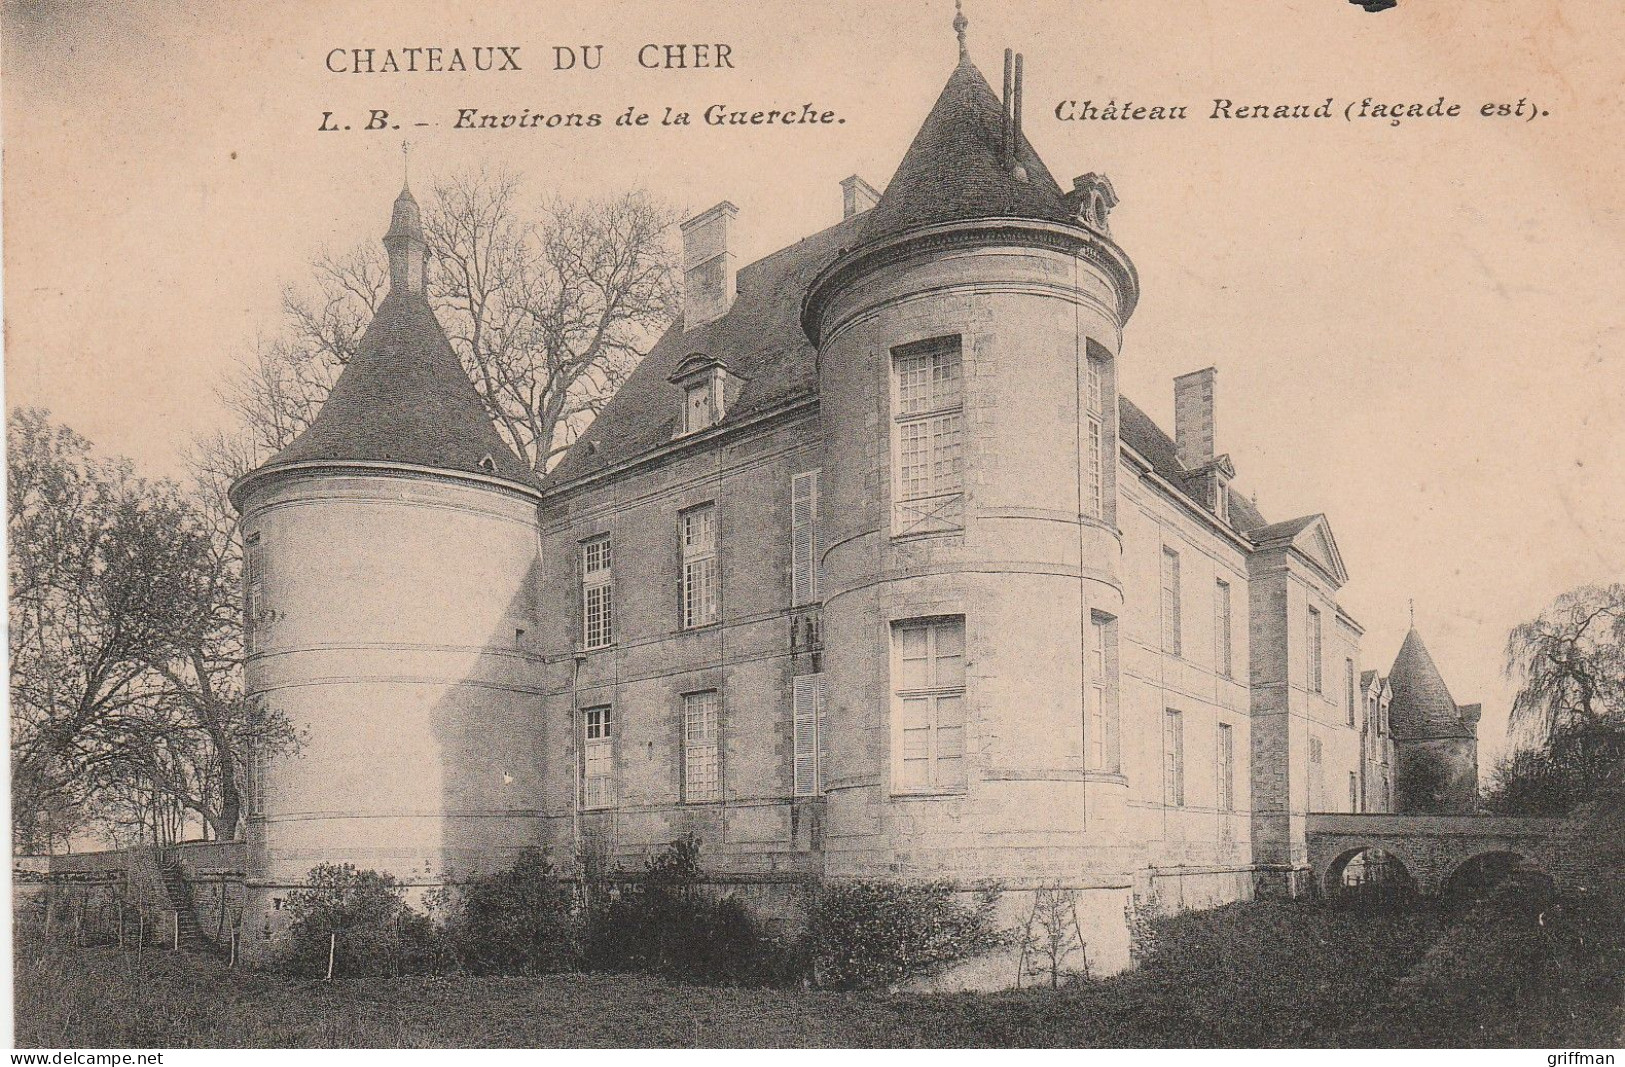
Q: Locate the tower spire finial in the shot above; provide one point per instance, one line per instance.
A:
(1413, 613)
(406, 164)
(960, 23)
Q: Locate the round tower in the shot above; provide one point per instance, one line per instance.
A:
(391, 556)
(967, 366)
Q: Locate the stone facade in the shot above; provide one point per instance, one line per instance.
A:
(868, 571)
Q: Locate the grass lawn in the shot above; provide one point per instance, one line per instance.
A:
(1261, 974)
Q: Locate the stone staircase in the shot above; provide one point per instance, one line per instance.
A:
(180, 901)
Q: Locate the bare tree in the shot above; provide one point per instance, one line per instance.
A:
(1051, 935)
(549, 312)
(1570, 662)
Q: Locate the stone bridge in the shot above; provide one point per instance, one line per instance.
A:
(1432, 848)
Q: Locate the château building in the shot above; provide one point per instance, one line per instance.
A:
(868, 571)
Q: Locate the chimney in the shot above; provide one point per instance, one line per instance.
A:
(1008, 147)
(857, 196)
(1012, 115)
(1193, 417)
(1015, 127)
(708, 265)
(1470, 714)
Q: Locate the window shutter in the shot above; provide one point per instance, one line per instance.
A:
(804, 538)
(819, 740)
(805, 692)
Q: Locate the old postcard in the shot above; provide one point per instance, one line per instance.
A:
(772, 524)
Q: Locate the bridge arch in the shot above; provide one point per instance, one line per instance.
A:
(1473, 878)
(1369, 866)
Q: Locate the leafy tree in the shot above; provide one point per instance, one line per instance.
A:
(361, 919)
(549, 312)
(122, 614)
(515, 922)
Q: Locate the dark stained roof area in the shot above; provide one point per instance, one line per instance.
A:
(405, 398)
(1422, 707)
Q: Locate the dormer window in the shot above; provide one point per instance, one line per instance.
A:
(1093, 198)
(704, 383)
(699, 407)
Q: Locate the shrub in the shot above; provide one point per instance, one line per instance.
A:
(664, 923)
(364, 917)
(516, 922)
(878, 934)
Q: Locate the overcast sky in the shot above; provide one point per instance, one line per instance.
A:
(1418, 329)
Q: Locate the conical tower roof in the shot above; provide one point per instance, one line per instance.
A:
(1422, 706)
(404, 398)
(954, 170)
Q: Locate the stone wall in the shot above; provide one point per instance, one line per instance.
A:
(747, 656)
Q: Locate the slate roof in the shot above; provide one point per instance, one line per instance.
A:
(954, 171)
(760, 340)
(1282, 531)
(1422, 707)
(1137, 430)
(405, 398)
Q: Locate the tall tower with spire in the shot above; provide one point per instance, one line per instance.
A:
(967, 370)
(391, 558)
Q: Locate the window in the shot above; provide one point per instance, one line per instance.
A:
(1095, 432)
(807, 728)
(1354, 792)
(1173, 759)
(1314, 651)
(254, 772)
(930, 437)
(598, 759)
(1170, 601)
(597, 594)
(1222, 659)
(253, 589)
(697, 530)
(1094, 729)
(699, 406)
(1348, 687)
(1227, 768)
(1317, 779)
(702, 781)
(804, 576)
(1382, 719)
(929, 676)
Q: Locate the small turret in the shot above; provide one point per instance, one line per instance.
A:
(408, 250)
